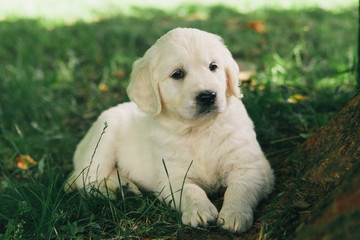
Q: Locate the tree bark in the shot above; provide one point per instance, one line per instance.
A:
(330, 162)
(332, 151)
(338, 214)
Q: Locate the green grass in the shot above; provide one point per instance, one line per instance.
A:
(39, 209)
(49, 83)
(89, 10)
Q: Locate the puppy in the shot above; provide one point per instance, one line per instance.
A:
(186, 114)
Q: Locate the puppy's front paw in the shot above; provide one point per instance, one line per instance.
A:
(235, 220)
(200, 213)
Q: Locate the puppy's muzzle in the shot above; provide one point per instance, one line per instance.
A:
(206, 99)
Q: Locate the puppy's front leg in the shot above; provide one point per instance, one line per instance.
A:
(194, 205)
(197, 208)
(246, 187)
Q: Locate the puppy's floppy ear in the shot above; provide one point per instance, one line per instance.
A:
(143, 87)
(232, 75)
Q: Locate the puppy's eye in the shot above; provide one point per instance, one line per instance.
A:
(213, 67)
(178, 74)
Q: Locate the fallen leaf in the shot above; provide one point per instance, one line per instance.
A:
(300, 97)
(291, 100)
(119, 74)
(25, 161)
(261, 86)
(103, 87)
(257, 26)
(296, 98)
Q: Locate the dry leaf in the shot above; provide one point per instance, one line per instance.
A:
(25, 161)
(103, 87)
(291, 100)
(119, 74)
(261, 86)
(257, 26)
(296, 98)
(300, 97)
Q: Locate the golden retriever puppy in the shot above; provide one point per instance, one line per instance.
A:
(185, 110)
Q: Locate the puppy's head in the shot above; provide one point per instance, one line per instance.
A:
(187, 73)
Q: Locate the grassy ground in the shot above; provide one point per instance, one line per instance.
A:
(56, 79)
(68, 10)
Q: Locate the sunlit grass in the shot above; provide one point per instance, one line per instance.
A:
(53, 11)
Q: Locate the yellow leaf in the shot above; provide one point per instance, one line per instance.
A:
(300, 97)
(296, 98)
(25, 161)
(261, 86)
(103, 87)
(291, 100)
(119, 73)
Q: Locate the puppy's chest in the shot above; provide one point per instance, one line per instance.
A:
(205, 151)
(206, 168)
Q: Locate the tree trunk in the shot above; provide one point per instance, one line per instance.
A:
(338, 214)
(331, 152)
(330, 172)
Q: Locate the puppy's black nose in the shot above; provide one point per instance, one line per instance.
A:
(206, 98)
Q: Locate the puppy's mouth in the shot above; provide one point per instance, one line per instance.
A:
(206, 102)
(206, 110)
(204, 105)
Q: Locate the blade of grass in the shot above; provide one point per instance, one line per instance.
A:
(122, 192)
(178, 215)
(183, 183)
(171, 190)
(96, 147)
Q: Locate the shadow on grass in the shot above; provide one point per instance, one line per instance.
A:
(55, 80)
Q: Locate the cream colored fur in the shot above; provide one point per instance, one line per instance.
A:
(163, 122)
